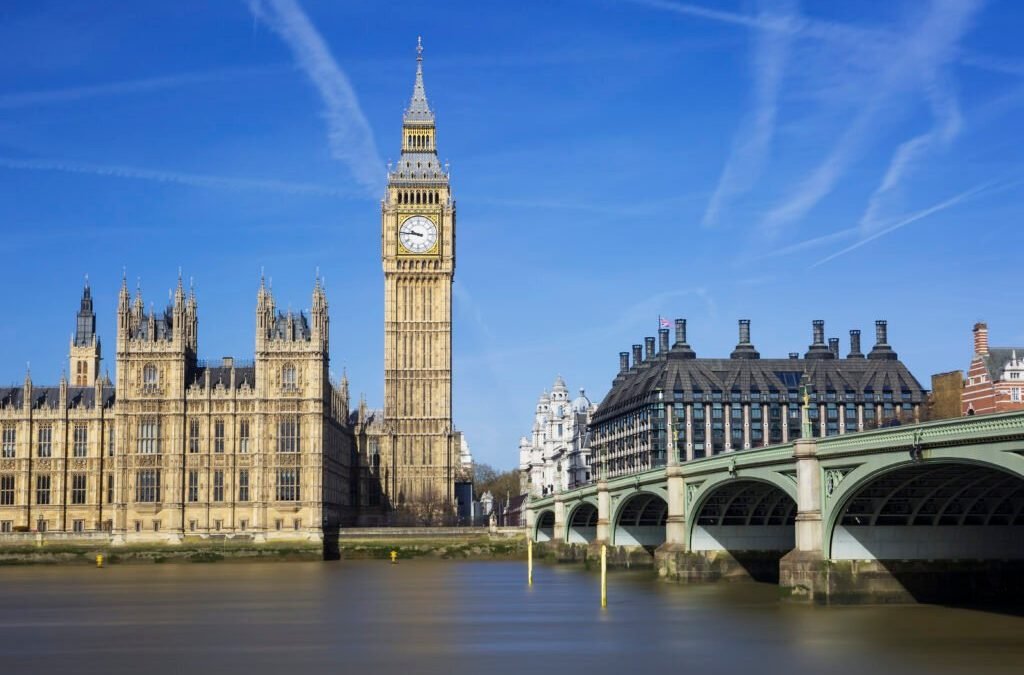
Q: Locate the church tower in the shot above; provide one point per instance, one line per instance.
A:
(84, 364)
(418, 253)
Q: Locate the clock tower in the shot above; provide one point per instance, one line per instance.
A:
(418, 254)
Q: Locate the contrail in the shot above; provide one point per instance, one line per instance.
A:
(924, 213)
(190, 179)
(348, 132)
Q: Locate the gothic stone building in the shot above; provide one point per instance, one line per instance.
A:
(723, 405)
(180, 447)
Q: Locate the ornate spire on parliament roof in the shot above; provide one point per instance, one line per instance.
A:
(419, 111)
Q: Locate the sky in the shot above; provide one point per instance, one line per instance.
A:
(613, 161)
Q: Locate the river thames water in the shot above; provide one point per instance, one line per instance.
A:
(462, 617)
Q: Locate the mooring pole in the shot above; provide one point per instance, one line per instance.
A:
(604, 575)
(529, 561)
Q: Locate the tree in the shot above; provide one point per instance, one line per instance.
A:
(501, 485)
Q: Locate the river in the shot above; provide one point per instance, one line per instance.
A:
(462, 617)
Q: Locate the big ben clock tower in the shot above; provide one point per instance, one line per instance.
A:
(418, 253)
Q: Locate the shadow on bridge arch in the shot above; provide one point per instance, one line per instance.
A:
(581, 525)
(640, 521)
(751, 519)
(545, 527)
(965, 517)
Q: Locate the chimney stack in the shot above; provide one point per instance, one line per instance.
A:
(638, 355)
(663, 340)
(744, 331)
(649, 345)
(981, 339)
(680, 332)
(855, 352)
(881, 350)
(744, 350)
(794, 355)
(818, 348)
(623, 362)
(818, 332)
(833, 346)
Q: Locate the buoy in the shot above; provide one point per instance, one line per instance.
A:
(99, 560)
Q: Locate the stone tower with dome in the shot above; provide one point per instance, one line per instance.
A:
(556, 455)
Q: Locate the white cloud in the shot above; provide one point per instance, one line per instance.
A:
(348, 132)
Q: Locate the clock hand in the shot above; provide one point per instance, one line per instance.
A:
(418, 234)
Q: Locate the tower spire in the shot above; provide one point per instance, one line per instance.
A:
(419, 109)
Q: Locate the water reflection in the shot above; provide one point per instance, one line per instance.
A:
(442, 617)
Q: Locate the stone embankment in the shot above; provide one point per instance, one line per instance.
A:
(348, 544)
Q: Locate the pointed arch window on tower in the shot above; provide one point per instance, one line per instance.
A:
(149, 376)
(288, 380)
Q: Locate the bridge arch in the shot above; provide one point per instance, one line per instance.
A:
(948, 508)
(745, 513)
(581, 523)
(639, 520)
(545, 529)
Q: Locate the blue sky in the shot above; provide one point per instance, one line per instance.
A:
(612, 160)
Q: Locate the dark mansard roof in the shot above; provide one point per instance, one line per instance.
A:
(997, 359)
(222, 375)
(49, 397)
(678, 370)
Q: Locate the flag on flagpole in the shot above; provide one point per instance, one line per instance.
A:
(663, 322)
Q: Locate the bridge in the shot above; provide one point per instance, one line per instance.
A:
(908, 513)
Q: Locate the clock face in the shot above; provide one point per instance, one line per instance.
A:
(417, 234)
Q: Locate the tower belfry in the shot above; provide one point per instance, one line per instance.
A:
(418, 255)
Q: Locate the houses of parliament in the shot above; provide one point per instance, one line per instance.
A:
(270, 447)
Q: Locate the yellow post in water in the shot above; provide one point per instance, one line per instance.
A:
(99, 560)
(604, 575)
(394, 557)
(529, 561)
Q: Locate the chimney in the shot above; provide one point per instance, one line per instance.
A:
(744, 331)
(818, 348)
(981, 339)
(227, 362)
(833, 346)
(881, 350)
(744, 350)
(881, 333)
(819, 332)
(680, 332)
(663, 340)
(649, 345)
(623, 362)
(638, 355)
(855, 352)
(794, 355)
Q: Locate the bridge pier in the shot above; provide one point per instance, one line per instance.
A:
(559, 531)
(801, 570)
(604, 508)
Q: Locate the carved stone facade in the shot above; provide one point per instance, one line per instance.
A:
(185, 448)
(557, 456)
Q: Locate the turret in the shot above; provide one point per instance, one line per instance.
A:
(84, 355)
(320, 318)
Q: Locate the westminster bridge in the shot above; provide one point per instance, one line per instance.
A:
(914, 512)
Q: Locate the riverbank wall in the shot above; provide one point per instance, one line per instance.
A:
(346, 544)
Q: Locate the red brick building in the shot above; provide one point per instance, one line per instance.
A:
(995, 380)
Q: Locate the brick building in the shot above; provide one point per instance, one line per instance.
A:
(995, 380)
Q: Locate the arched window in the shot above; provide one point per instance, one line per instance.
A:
(149, 375)
(288, 377)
